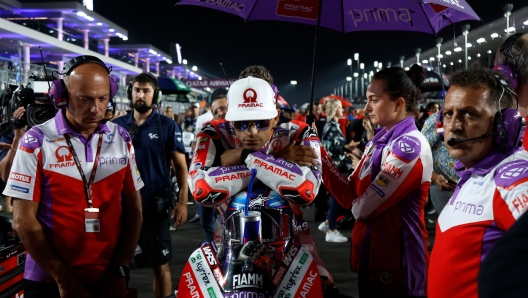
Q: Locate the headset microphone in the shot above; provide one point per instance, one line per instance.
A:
(452, 142)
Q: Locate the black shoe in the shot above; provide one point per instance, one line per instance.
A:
(196, 218)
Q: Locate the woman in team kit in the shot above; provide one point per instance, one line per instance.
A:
(388, 190)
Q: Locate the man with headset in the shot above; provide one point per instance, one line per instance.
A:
(483, 132)
(75, 188)
(158, 142)
(512, 61)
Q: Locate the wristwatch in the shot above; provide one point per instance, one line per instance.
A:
(123, 271)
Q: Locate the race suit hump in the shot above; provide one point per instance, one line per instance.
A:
(212, 184)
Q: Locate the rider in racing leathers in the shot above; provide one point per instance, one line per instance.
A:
(248, 139)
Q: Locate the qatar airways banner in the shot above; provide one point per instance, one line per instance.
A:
(219, 83)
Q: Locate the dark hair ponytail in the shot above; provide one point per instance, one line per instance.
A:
(417, 75)
(401, 83)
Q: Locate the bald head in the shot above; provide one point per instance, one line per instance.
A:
(88, 95)
(88, 74)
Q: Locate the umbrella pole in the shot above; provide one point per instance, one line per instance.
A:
(311, 118)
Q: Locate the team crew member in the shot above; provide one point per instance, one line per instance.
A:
(511, 59)
(219, 108)
(75, 187)
(209, 215)
(157, 141)
(247, 139)
(388, 190)
(483, 133)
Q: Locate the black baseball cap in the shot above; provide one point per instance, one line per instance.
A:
(218, 93)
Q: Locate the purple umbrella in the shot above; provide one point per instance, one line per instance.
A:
(349, 15)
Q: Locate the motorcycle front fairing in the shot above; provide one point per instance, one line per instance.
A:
(269, 265)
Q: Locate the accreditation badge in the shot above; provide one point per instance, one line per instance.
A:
(91, 220)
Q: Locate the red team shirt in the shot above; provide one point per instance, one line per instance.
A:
(44, 171)
(487, 201)
(387, 193)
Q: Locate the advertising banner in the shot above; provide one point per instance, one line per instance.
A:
(211, 83)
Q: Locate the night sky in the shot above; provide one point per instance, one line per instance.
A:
(208, 37)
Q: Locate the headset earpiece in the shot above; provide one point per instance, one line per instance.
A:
(507, 67)
(509, 127)
(498, 128)
(157, 96)
(58, 90)
(129, 92)
(509, 72)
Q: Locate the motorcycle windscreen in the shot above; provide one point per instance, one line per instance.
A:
(253, 247)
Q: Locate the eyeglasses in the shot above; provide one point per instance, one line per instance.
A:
(259, 124)
(222, 109)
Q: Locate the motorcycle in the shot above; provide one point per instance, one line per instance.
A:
(255, 256)
(12, 261)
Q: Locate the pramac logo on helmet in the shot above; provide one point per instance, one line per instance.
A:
(250, 99)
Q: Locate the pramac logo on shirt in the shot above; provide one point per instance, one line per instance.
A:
(64, 158)
(250, 99)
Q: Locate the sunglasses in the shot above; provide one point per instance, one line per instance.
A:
(259, 124)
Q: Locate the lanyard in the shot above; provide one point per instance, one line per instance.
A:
(87, 184)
